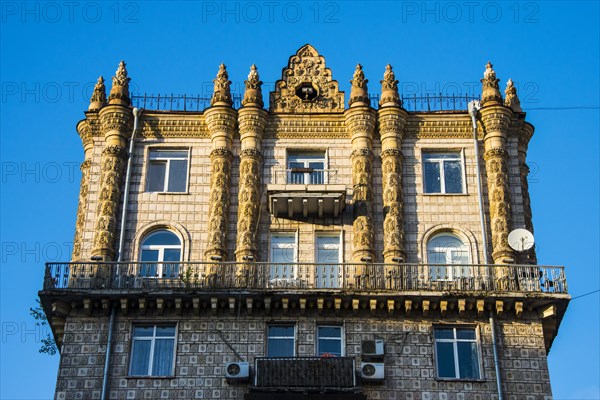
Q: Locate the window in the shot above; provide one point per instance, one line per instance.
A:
(453, 255)
(443, 172)
(284, 250)
(329, 341)
(306, 168)
(160, 254)
(152, 350)
(281, 341)
(167, 171)
(457, 353)
(328, 259)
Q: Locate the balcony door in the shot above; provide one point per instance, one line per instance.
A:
(306, 168)
(284, 253)
(327, 274)
(160, 255)
(451, 255)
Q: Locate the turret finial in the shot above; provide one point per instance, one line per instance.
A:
(99, 96)
(389, 88)
(490, 90)
(221, 93)
(359, 94)
(253, 93)
(511, 99)
(119, 93)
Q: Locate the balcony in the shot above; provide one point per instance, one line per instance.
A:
(304, 192)
(306, 277)
(304, 372)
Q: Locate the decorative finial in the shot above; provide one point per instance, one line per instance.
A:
(359, 92)
(490, 89)
(221, 93)
(253, 94)
(119, 93)
(389, 88)
(99, 96)
(511, 99)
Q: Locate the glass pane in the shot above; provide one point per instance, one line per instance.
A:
(162, 238)
(172, 255)
(280, 348)
(177, 176)
(333, 346)
(316, 177)
(143, 331)
(445, 360)
(165, 331)
(462, 333)
(140, 357)
(468, 363)
(330, 332)
(440, 156)
(168, 154)
(296, 172)
(281, 331)
(162, 364)
(436, 257)
(432, 177)
(149, 255)
(156, 176)
(444, 333)
(453, 176)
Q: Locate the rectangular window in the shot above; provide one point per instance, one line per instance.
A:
(167, 171)
(284, 250)
(328, 261)
(306, 168)
(152, 350)
(443, 173)
(457, 353)
(281, 341)
(329, 341)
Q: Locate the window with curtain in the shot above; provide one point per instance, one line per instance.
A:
(160, 254)
(152, 350)
(457, 353)
(329, 341)
(448, 257)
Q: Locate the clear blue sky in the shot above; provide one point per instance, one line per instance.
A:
(52, 53)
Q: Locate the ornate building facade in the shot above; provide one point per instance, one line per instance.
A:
(305, 251)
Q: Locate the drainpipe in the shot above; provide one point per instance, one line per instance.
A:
(474, 107)
(111, 321)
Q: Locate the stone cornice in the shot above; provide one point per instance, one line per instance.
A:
(295, 126)
(439, 126)
(168, 127)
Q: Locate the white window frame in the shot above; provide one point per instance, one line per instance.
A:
(269, 337)
(455, 342)
(273, 273)
(161, 251)
(152, 339)
(425, 158)
(341, 339)
(339, 261)
(297, 154)
(448, 264)
(154, 159)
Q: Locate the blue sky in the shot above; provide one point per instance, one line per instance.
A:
(53, 52)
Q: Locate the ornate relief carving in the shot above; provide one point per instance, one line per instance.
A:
(221, 92)
(85, 132)
(361, 123)
(251, 152)
(389, 87)
(359, 91)
(425, 127)
(98, 96)
(294, 128)
(253, 94)
(120, 86)
(218, 209)
(114, 119)
(308, 68)
(489, 83)
(168, 128)
(362, 178)
(511, 99)
(221, 122)
(81, 209)
(248, 203)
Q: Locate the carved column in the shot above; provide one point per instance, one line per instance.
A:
(252, 120)
(392, 119)
(524, 137)
(116, 120)
(221, 121)
(496, 118)
(360, 121)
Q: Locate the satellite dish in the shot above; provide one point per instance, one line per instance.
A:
(520, 239)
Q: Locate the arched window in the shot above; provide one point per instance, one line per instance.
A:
(160, 254)
(453, 255)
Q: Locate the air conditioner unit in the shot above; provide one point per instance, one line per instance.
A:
(372, 348)
(372, 371)
(237, 371)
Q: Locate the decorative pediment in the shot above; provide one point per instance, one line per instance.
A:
(306, 85)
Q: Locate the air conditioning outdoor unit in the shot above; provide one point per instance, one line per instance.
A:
(372, 371)
(372, 348)
(237, 371)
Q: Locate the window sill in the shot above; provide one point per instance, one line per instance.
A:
(475, 380)
(149, 377)
(445, 194)
(164, 193)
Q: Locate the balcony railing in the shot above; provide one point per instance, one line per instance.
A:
(304, 176)
(304, 372)
(306, 276)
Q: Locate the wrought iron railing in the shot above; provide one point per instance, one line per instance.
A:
(305, 176)
(196, 103)
(306, 276)
(304, 372)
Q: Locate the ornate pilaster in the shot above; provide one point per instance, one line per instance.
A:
(85, 132)
(252, 120)
(496, 119)
(360, 121)
(524, 137)
(392, 119)
(116, 120)
(221, 121)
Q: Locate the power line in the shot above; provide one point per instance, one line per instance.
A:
(585, 294)
(565, 108)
